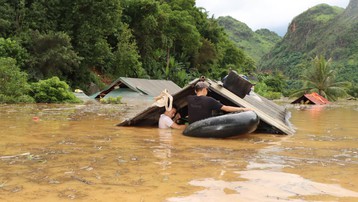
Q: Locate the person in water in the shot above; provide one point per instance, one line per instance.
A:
(200, 106)
(169, 118)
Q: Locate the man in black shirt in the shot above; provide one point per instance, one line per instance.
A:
(201, 106)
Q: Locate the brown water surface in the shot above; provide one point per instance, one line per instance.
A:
(75, 152)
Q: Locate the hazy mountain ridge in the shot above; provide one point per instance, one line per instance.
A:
(323, 29)
(255, 44)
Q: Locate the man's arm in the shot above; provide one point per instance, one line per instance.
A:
(176, 117)
(177, 126)
(234, 109)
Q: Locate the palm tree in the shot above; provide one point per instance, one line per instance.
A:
(320, 78)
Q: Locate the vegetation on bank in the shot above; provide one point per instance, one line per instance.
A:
(14, 87)
(13, 83)
(79, 40)
(52, 90)
(50, 47)
(321, 78)
(111, 100)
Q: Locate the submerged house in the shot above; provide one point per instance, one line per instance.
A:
(312, 98)
(234, 91)
(135, 89)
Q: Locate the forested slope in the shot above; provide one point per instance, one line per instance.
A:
(84, 41)
(321, 30)
(255, 44)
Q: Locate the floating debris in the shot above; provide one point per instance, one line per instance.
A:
(14, 156)
(82, 180)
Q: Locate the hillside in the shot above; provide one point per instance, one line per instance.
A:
(323, 29)
(82, 43)
(255, 44)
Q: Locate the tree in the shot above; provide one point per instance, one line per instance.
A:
(13, 83)
(320, 78)
(205, 57)
(93, 26)
(40, 15)
(276, 82)
(6, 19)
(146, 22)
(83, 40)
(51, 55)
(126, 57)
(182, 36)
(11, 48)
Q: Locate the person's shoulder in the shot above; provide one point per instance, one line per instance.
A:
(208, 98)
(191, 97)
(164, 117)
(213, 101)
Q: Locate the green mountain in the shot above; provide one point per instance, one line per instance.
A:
(321, 30)
(255, 44)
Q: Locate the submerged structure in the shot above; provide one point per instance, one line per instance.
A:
(312, 98)
(234, 91)
(135, 89)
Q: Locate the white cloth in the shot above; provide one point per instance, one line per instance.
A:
(165, 121)
(164, 100)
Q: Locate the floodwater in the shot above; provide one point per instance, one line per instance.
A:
(76, 153)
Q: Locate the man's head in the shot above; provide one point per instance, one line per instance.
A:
(171, 113)
(201, 87)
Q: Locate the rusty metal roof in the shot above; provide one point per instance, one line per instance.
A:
(312, 98)
(149, 87)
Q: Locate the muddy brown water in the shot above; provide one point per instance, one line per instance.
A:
(76, 153)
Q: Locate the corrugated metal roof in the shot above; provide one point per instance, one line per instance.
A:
(83, 97)
(143, 86)
(317, 99)
(150, 116)
(312, 98)
(269, 112)
(149, 86)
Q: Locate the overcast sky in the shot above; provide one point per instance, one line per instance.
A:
(274, 15)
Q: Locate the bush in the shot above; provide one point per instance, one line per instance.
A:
(13, 83)
(263, 90)
(272, 95)
(353, 91)
(12, 100)
(111, 100)
(53, 91)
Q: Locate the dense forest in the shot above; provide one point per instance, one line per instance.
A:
(86, 42)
